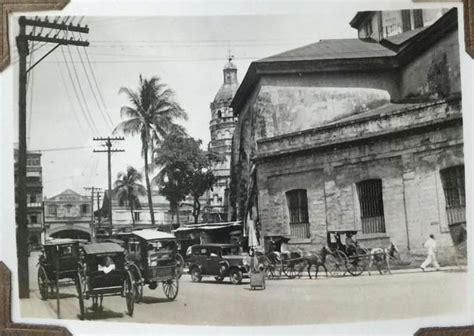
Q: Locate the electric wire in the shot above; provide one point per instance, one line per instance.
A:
(84, 114)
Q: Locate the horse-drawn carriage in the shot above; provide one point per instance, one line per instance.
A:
(103, 272)
(58, 261)
(153, 257)
(348, 256)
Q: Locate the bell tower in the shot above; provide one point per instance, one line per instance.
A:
(222, 127)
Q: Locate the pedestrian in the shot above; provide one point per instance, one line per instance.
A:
(431, 247)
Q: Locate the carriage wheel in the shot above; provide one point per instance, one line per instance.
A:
(129, 293)
(336, 264)
(43, 283)
(79, 288)
(290, 271)
(235, 276)
(171, 288)
(196, 275)
(356, 265)
(179, 265)
(137, 282)
(275, 270)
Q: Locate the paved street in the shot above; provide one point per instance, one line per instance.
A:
(297, 301)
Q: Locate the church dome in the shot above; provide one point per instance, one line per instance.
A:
(229, 87)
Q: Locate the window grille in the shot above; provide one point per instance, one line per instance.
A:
(371, 206)
(298, 211)
(454, 192)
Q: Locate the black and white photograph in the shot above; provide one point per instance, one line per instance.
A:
(298, 168)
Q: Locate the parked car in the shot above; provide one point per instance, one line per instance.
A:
(218, 260)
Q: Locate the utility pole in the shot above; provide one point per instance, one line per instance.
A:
(93, 229)
(98, 209)
(23, 50)
(108, 143)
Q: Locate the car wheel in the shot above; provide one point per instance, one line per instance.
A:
(196, 275)
(235, 276)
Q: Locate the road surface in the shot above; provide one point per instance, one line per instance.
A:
(283, 302)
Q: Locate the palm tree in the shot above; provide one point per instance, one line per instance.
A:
(152, 115)
(127, 188)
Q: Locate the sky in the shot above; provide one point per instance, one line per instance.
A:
(186, 52)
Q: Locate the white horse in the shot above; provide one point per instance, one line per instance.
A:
(382, 255)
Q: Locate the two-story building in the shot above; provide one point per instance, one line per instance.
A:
(358, 134)
(68, 215)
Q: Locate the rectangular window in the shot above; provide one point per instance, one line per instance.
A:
(298, 211)
(137, 216)
(53, 210)
(371, 206)
(33, 198)
(85, 208)
(418, 18)
(406, 20)
(454, 192)
(33, 220)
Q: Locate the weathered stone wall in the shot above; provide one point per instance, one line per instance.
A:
(436, 73)
(408, 165)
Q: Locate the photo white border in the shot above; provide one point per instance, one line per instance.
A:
(8, 83)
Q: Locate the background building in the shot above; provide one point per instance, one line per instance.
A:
(34, 191)
(222, 126)
(355, 135)
(122, 217)
(68, 215)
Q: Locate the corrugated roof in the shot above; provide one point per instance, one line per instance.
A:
(333, 49)
(148, 234)
(98, 248)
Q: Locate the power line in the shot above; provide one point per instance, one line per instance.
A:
(107, 121)
(72, 106)
(81, 91)
(84, 114)
(99, 89)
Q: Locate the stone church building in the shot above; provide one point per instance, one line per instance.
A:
(356, 134)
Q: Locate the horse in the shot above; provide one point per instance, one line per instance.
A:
(379, 255)
(318, 260)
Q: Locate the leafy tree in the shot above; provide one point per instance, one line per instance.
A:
(186, 170)
(127, 187)
(151, 115)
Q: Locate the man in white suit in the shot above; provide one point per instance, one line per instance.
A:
(431, 247)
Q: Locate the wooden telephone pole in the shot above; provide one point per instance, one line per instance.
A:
(108, 143)
(22, 41)
(93, 228)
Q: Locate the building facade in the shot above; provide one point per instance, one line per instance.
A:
(122, 216)
(222, 127)
(68, 215)
(355, 135)
(34, 190)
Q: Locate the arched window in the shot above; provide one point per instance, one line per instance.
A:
(219, 114)
(371, 206)
(298, 212)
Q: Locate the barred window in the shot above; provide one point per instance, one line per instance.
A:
(297, 206)
(298, 209)
(371, 206)
(454, 192)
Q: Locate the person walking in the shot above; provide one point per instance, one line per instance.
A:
(431, 247)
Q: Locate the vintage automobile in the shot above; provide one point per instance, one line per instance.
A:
(218, 260)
